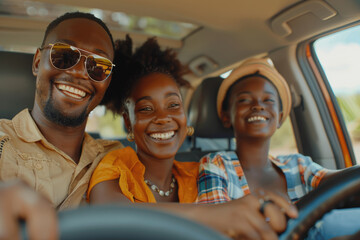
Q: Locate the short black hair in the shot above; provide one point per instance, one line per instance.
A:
(71, 15)
(130, 67)
(225, 103)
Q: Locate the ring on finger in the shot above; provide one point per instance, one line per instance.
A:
(263, 203)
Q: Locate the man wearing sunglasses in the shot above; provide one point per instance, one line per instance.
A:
(47, 147)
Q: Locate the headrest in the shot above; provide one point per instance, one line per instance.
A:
(17, 89)
(202, 111)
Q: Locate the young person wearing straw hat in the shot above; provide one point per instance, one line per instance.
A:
(254, 101)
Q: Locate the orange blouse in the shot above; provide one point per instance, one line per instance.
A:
(124, 164)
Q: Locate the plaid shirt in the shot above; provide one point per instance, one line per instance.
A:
(222, 179)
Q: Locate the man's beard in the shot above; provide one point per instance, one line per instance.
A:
(54, 115)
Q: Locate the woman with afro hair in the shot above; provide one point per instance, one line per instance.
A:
(146, 92)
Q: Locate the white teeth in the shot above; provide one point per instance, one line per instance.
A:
(256, 118)
(162, 136)
(71, 91)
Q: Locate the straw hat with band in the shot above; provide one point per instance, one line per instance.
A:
(264, 67)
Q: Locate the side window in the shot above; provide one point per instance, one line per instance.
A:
(105, 124)
(283, 141)
(339, 56)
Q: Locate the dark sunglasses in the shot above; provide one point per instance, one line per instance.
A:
(64, 56)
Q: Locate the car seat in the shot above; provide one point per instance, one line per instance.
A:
(210, 135)
(17, 88)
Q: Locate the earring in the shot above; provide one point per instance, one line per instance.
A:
(190, 130)
(130, 136)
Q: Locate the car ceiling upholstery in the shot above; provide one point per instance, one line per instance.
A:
(239, 28)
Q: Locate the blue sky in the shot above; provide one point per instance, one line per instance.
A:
(339, 55)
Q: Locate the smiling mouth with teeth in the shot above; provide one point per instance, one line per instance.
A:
(162, 136)
(257, 119)
(71, 91)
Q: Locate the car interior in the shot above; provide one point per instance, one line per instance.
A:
(219, 36)
(212, 38)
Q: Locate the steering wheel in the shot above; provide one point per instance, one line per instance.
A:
(329, 195)
(128, 222)
(134, 222)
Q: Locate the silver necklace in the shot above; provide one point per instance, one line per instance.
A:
(161, 192)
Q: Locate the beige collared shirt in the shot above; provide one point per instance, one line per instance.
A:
(26, 154)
